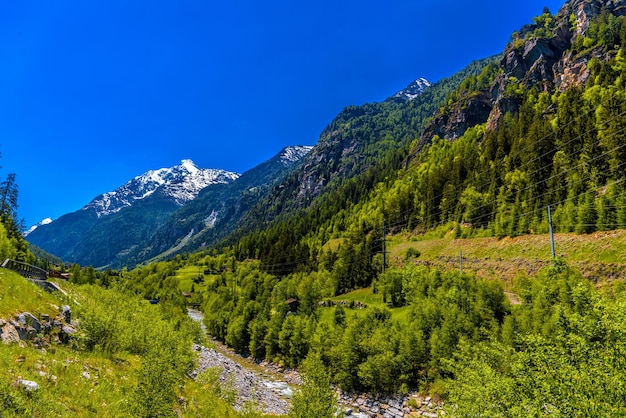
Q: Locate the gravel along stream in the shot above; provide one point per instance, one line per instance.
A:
(264, 392)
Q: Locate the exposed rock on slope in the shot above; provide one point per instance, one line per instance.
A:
(539, 56)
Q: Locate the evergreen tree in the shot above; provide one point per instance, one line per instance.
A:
(8, 216)
(587, 215)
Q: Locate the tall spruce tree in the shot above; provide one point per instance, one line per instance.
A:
(8, 215)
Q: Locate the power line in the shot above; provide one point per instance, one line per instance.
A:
(406, 216)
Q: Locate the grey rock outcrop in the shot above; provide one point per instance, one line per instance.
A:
(28, 385)
(66, 312)
(26, 319)
(536, 57)
(40, 331)
(8, 333)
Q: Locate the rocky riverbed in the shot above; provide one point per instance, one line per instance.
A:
(363, 405)
(250, 389)
(268, 388)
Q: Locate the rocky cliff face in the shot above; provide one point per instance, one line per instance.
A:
(539, 56)
(453, 122)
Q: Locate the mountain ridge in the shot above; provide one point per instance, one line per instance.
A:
(543, 55)
(120, 222)
(182, 183)
(216, 210)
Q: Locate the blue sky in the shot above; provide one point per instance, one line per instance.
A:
(95, 93)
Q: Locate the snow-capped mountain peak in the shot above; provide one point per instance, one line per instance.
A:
(42, 223)
(293, 154)
(181, 183)
(189, 166)
(414, 89)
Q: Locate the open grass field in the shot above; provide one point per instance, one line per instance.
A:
(187, 274)
(600, 256)
(366, 296)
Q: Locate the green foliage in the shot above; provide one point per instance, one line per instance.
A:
(15, 402)
(157, 281)
(382, 134)
(544, 25)
(392, 288)
(569, 341)
(561, 150)
(20, 295)
(473, 85)
(17, 246)
(7, 246)
(113, 322)
(163, 370)
(373, 352)
(315, 398)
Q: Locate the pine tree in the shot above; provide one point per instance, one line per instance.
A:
(8, 217)
(587, 215)
(8, 202)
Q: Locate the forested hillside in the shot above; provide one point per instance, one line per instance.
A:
(307, 201)
(374, 137)
(561, 149)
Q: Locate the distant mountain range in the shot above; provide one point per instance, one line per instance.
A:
(124, 221)
(184, 208)
(216, 212)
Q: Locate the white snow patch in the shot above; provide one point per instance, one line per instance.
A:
(414, 89)
(210, 220)
(182, 183)
(42, 223)
(294, 154)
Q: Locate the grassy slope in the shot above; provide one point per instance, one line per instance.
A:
(601, 256)
(70, 381)
(75, 382)
(19, 295)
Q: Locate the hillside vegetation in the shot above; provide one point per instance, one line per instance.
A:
(559, 150)
(128, 358)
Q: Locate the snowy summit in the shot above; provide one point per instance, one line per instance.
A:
(182, 183)
(414, 89)
(42, 223)
(294, 154)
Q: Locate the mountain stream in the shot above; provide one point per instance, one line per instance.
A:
(260, 386)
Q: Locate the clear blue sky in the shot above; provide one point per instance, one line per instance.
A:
(94, 93)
